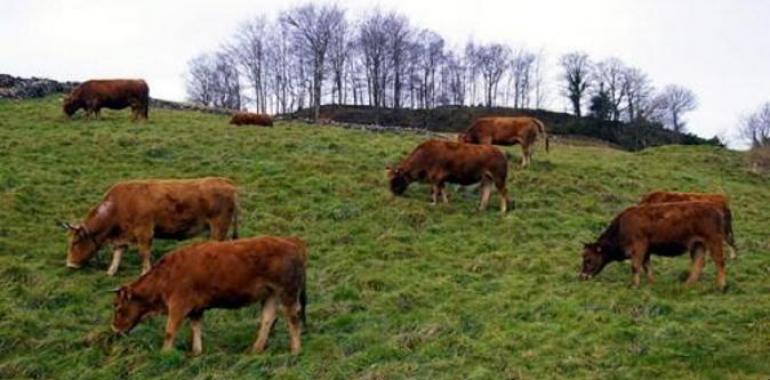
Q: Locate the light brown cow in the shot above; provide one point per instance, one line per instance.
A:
(248, 118)
(667, 229)
(500, 130)
(720, 200)
(232, 274)
(440, 161)
(93, 95)
(135, 212)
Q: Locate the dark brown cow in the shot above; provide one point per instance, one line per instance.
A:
(248, 118)
(93, 95)
(720, 200)
(440, 161)
(135, 212)
(667, 229)
(232, 274)
(507, 131)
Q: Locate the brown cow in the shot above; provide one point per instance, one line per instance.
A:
(93, 95)
(507, 131)
(719, 200)
(667, 229)
(231, 274)
(440, 161)
(248, 118)
(135, 212)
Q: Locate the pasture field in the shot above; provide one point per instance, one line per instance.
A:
(397, 288)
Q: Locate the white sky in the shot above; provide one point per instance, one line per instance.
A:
(718, 48)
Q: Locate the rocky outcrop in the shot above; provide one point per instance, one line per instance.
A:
(23, 88)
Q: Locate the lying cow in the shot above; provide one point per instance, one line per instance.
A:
(93, 95)
(667, 229)
(718, 199)
(507, 131)
(232, 274)
(439, 161)
(135, 212)
(248, 118)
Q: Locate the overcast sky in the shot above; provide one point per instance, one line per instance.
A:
(718, 48)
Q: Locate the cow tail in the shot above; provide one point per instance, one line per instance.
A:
(236, 211)
(729, 230)
(541, 128)
(303, 300)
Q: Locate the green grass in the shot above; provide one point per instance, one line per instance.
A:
(398, 288)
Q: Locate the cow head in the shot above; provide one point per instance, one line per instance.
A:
(465, 138)
(595, 257)
(70, 105)
(129, 309)
(82, 245)
(398, 180)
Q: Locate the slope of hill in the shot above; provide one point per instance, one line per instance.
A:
(398, 289)
(633, 137)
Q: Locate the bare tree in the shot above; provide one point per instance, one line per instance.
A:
(430, 47)
(313, 30)
(213, 81)
(492, 61)
(755, 128)
(576, 74)
(373, 41)
(340, 53)
(638, 90)
(398, 32)
(539, 86)
(521, 73)
(609, 76)
(471, 65)
(250, 52)
(200, 78)
(675, 101)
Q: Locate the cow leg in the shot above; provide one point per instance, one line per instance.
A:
(637, 259)
(175, 317)
(266, 323)
(648, 269)
(117, 255)
(717, 254)
(698, 260)
(291, 309)
(486, 191)
(196, 326)
(503, 192)
(443, 193)
(145, 249)
(524, 156)
(434, 193)
(218, 228)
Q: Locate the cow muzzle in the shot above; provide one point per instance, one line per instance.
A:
(585, 276)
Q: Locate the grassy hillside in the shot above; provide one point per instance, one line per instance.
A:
(398, 289)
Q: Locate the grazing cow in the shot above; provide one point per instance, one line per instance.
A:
(248, 118)
(719, 200)
(507, 131)
(93, 95)
(440, 161)
(231, 274)
(667, 229)
(135, 212)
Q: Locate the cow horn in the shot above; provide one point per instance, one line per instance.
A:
(66, 225)
(114, 290)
